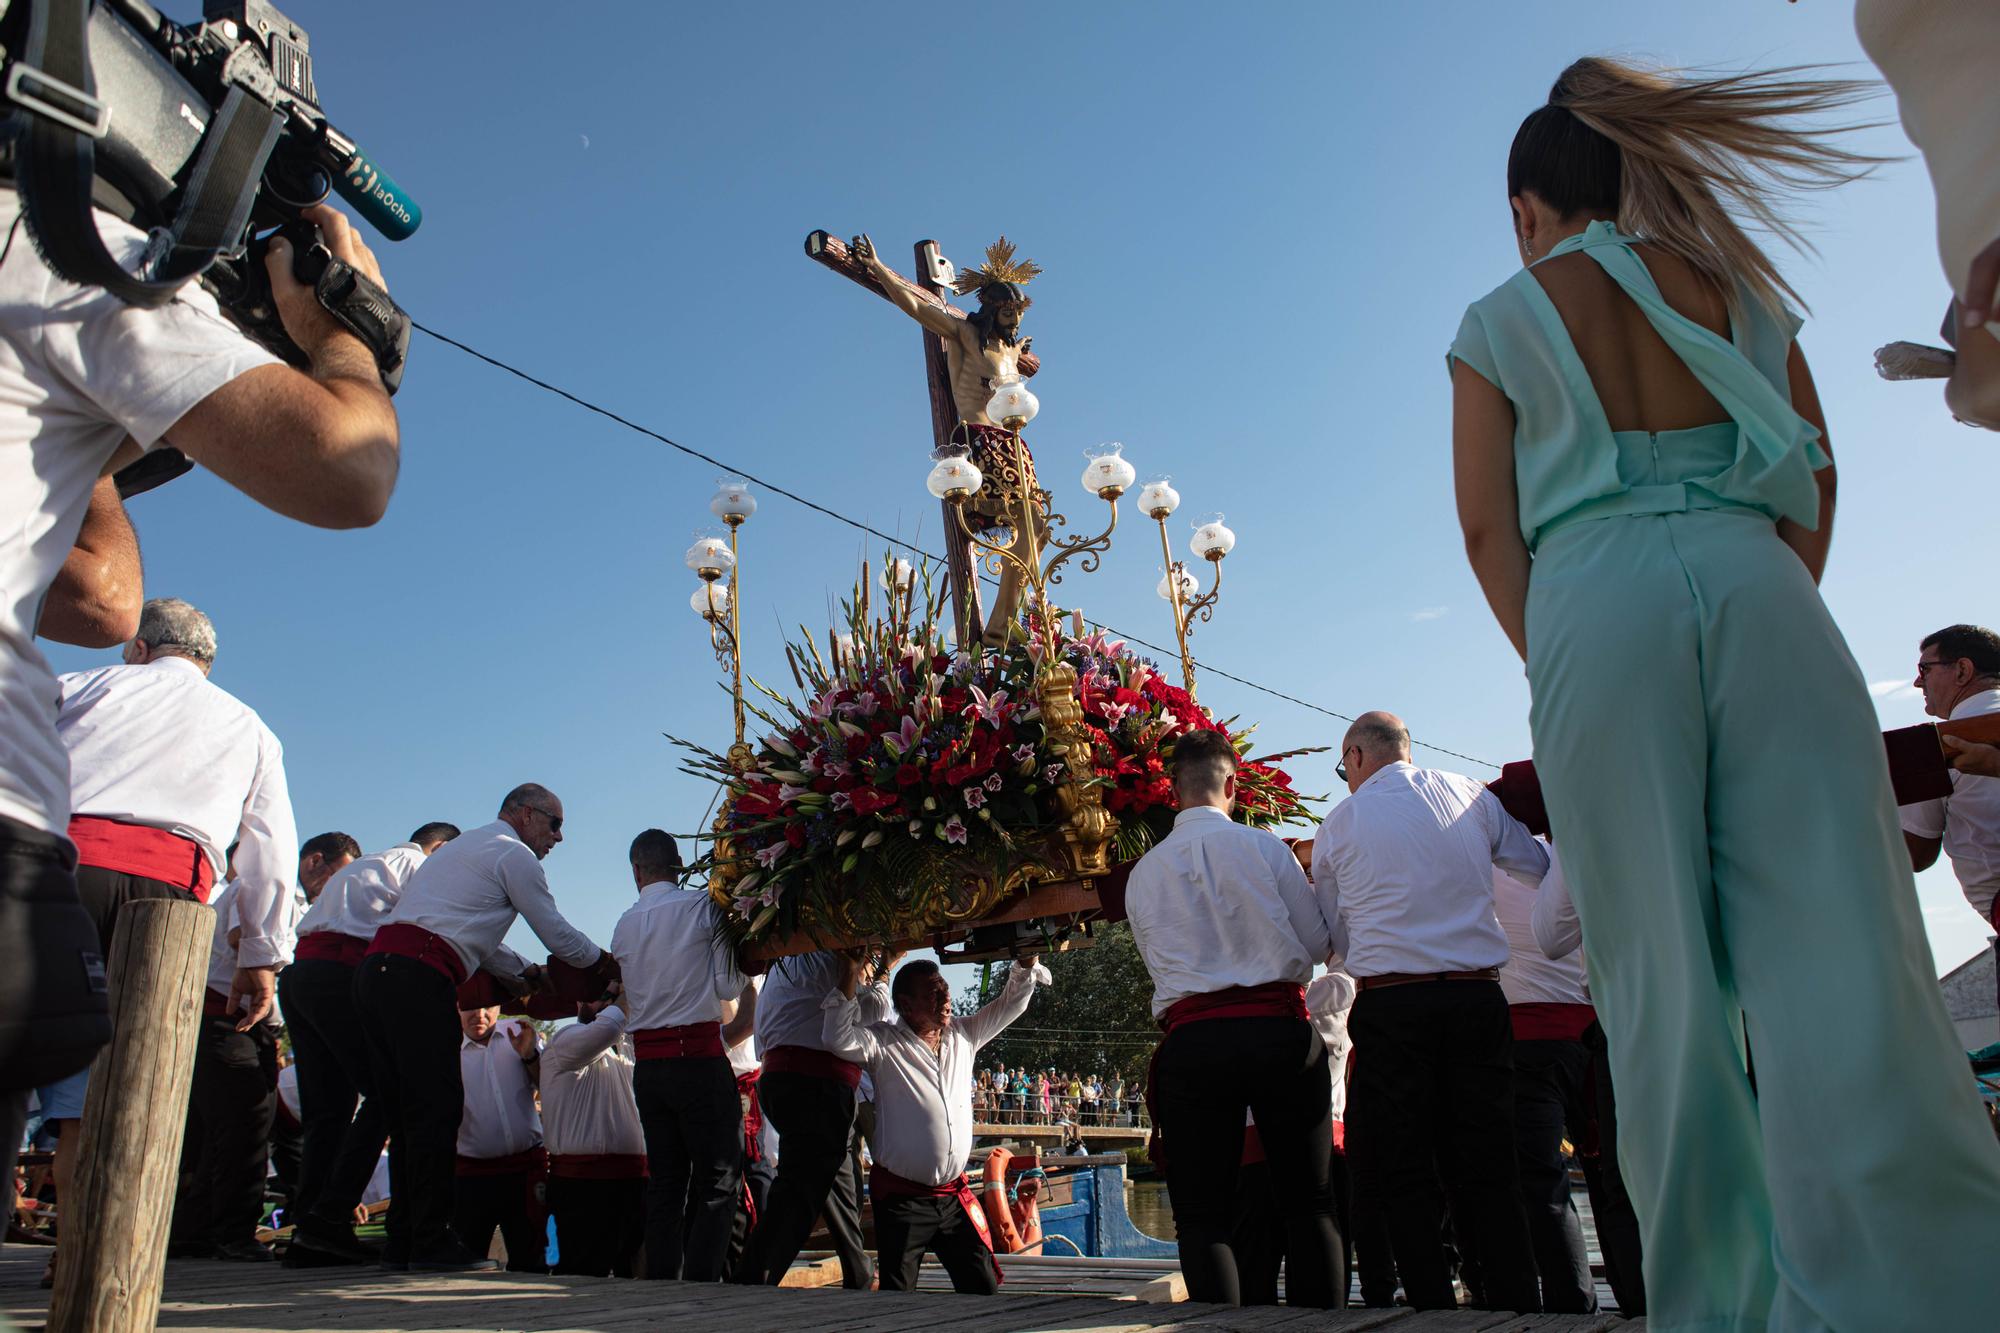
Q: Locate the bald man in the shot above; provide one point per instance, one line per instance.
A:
(1403, 869)
(448, 923)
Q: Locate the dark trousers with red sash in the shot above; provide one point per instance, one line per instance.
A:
(1433, 1096)
(409, 1013)
(911, 1218)
(505, 1194)
(230, 1109)
(342, 1126)
(599, 1206)
(693, 1120)
(1551, 1086)
(814, 1117)
(1208, 1072)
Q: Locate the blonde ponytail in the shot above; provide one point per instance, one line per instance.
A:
(1694, 153)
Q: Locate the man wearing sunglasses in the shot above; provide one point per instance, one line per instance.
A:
(448, 924)
(1958, 670)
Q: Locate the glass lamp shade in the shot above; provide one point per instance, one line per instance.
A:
(733, 502)
(1158, 499)
(1012, 405)
(954, 479)
(898, 575)
(1188, 585)
(1213, 540)
(710, 601)
(1108, 475)
(710, 557)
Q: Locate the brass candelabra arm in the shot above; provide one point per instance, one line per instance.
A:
(1090, 549)
(1204, 605)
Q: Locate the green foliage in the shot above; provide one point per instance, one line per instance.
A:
(1096, 1018)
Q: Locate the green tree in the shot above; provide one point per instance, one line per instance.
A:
(1096, 1018)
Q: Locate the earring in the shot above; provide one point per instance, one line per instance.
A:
(1528, 246)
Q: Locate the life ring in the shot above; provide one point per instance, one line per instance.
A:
(1015, 1223)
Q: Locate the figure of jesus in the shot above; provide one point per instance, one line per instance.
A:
(981, 350)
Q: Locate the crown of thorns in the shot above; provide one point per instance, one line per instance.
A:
(1000, 269)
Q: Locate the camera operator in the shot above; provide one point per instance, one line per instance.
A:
(87, 384)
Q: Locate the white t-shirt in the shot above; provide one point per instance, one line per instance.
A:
(79, 371)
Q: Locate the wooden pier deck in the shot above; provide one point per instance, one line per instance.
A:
(230, 1298)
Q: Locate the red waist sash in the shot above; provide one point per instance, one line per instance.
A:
(753, 1116)
(693, 1040)
(214, 1004)
(138, 849)
(1273, 999)
(533, 1161)
(1550, 1021)
(886, 1184)
(404, 940)
(331, 947)
(812, 1063)
(597, 1166)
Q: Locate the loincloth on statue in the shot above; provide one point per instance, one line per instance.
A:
(1003, 459)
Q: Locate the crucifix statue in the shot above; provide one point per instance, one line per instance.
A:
(965, 356)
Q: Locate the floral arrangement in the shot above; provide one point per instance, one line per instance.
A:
(906, 778)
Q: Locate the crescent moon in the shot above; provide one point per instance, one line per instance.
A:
(585, 138)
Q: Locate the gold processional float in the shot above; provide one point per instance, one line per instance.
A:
(938, 777)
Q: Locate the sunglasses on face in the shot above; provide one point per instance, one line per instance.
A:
(555, 821)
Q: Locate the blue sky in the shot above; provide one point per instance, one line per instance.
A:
(1260, 226)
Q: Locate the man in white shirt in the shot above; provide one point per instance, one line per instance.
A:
(167, 771)
(597, 1148)
(501, 1162)
(1230, 931)
(343, 1126)
(1549, 1008)
(87, 383)
(921, 1066)
(1958, 670)
(234, 1095)
(678, 980)
(448, 921)
(1404, 871)
(808, 1094)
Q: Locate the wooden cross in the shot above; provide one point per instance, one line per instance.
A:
(931, 290)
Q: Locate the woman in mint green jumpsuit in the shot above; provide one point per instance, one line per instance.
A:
(1715, 778)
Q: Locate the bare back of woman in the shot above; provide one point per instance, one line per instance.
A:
(1641, 383)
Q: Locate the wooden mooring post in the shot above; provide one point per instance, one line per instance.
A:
(114, 1242)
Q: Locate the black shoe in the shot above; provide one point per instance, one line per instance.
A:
(454, 1259)
(245, 1251)
(331, 1243)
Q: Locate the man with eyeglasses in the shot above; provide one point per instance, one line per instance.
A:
(1958, 670)
(1403, 870)
(448, 924)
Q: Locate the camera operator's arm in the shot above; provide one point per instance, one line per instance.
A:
(321, 447)
(95, 600)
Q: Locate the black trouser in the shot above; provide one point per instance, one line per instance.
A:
(341, 1143)
(1610, 1205)
(1368, 1232)
(53, 1012)
(507, 1203)
(235, 1095)
(814, 1118)
(906, 1227)
(1206, 1076)
(1549, 1106)
(693, 1120)
(287, 1152)
(1259, 1236)
(751, 1197)
(599, 1224)
(409, 1012)
(1433, 1090)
